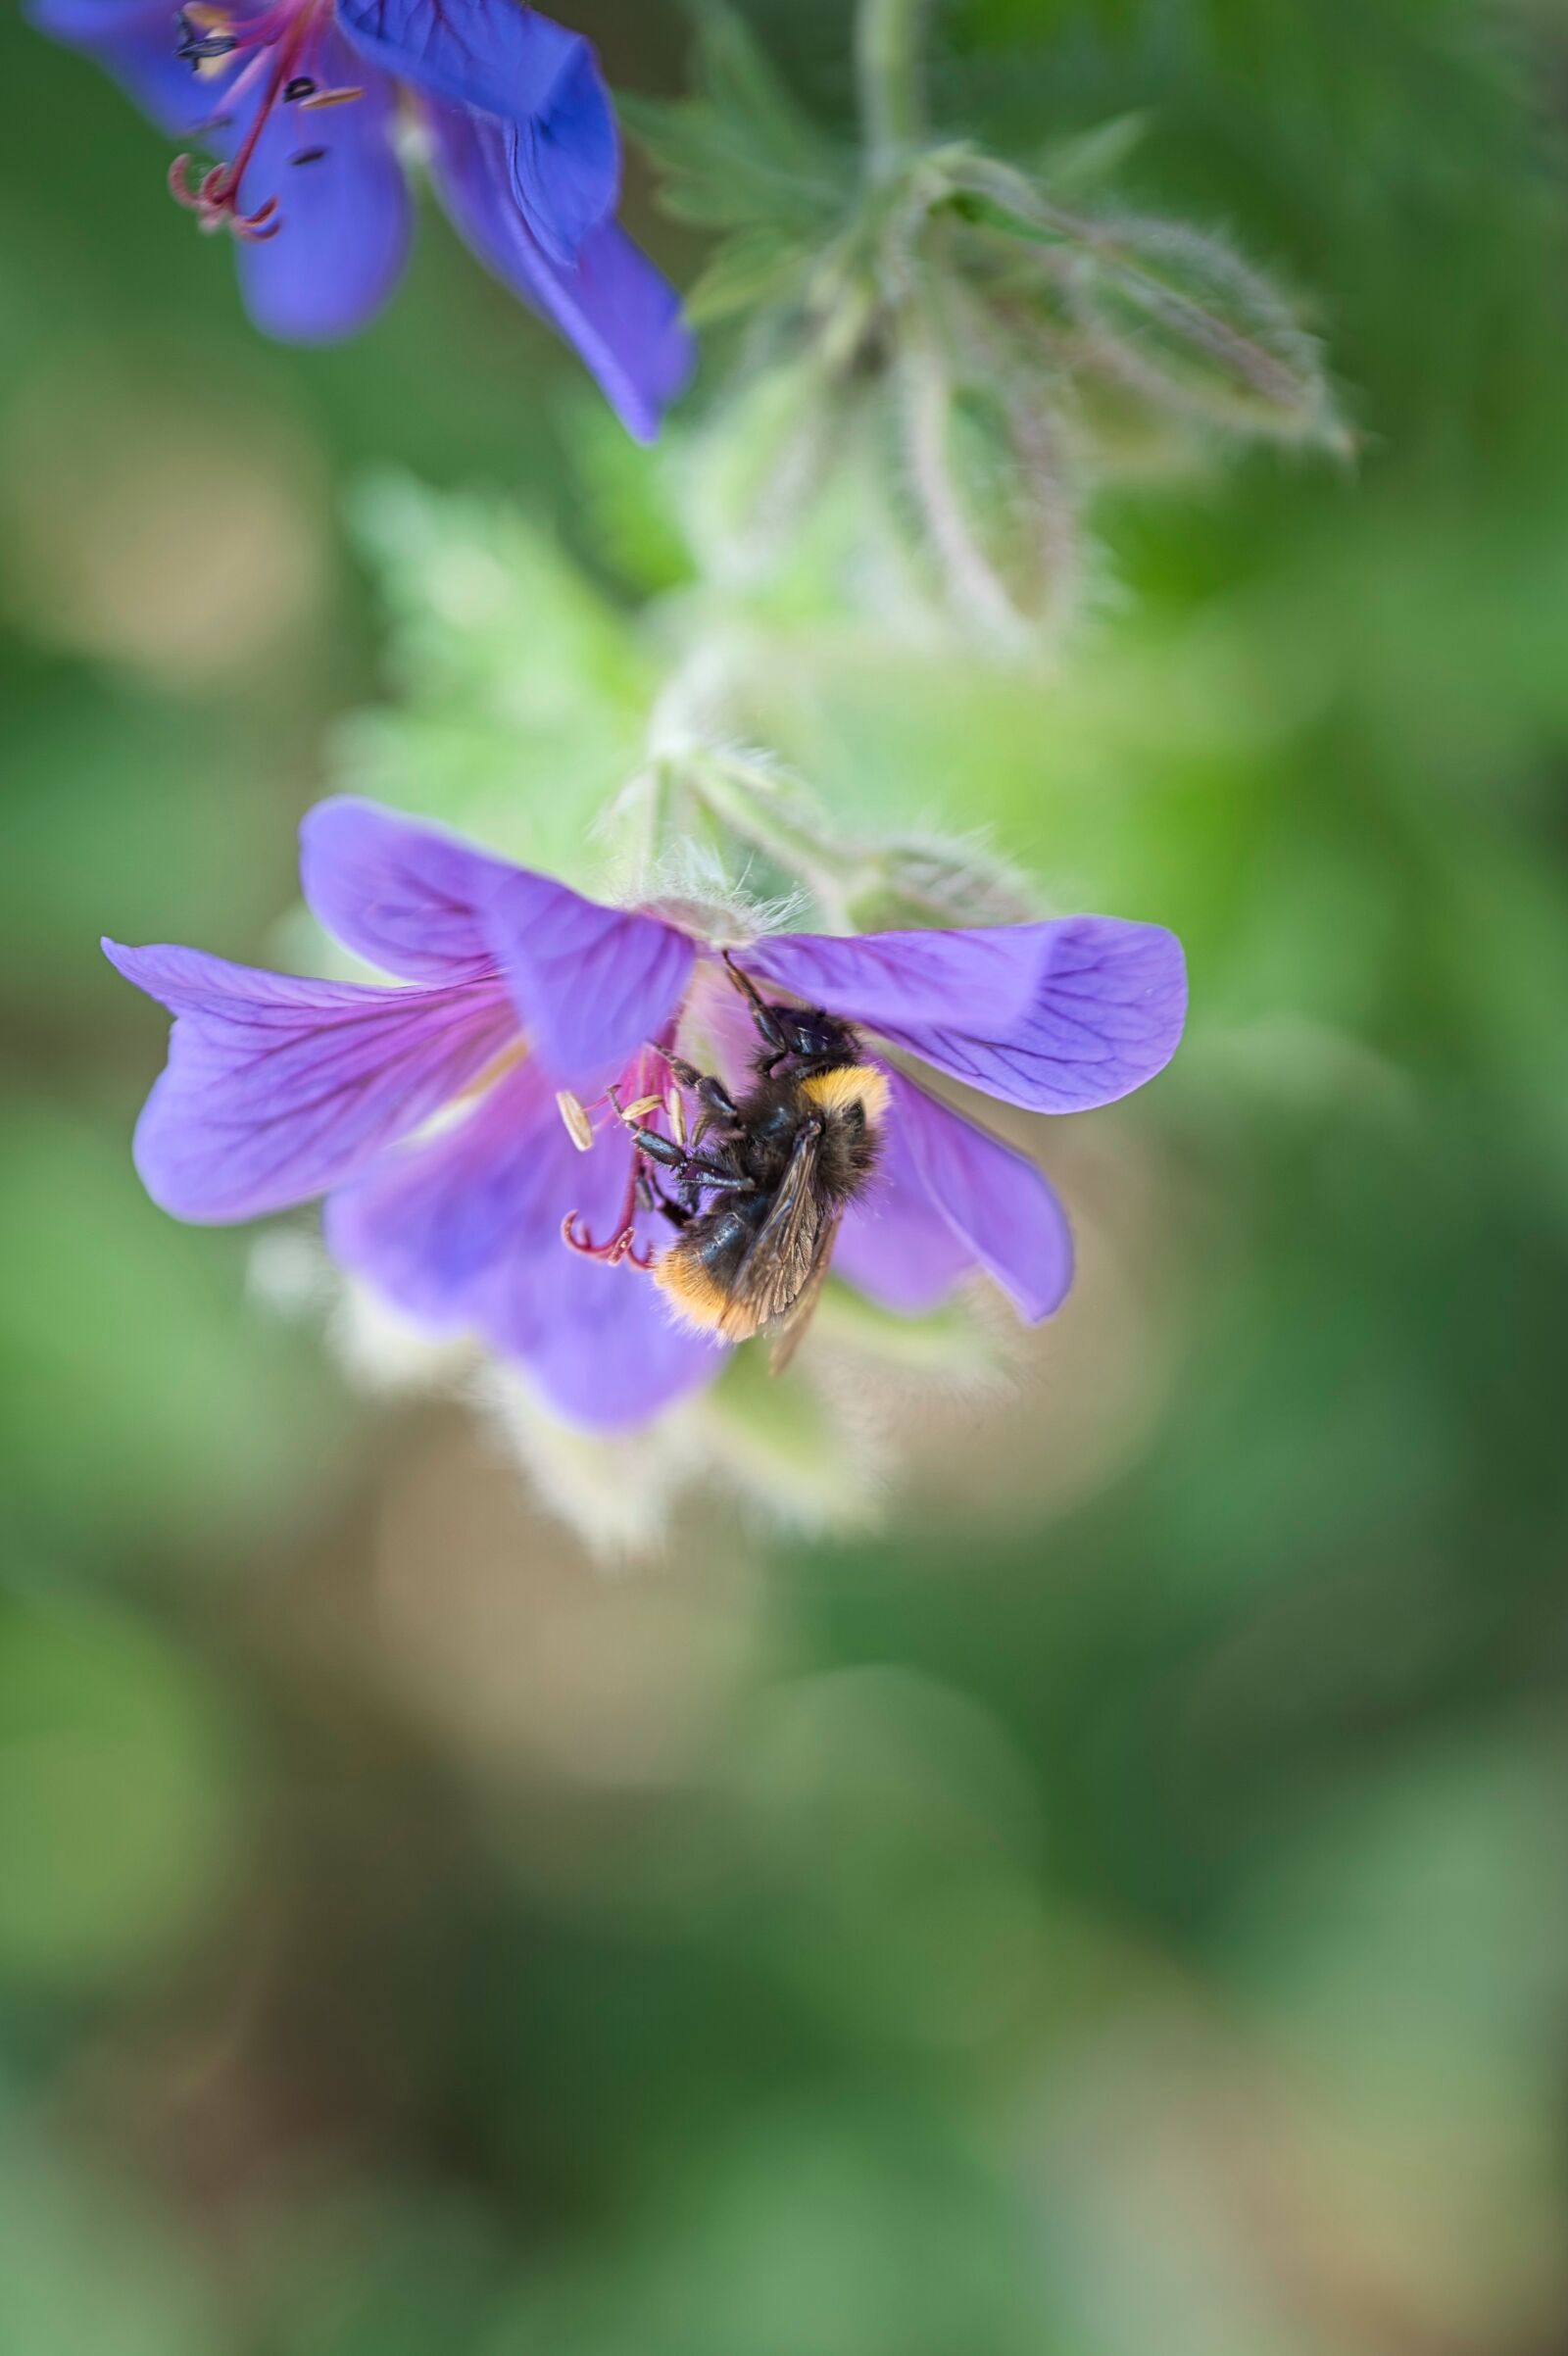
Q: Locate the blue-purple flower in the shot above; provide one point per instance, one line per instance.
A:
(427, 1112)
(303, 103)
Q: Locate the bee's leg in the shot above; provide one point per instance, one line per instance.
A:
(696, 1175)
(641, 1195)
(719, 1109)
(686, 1073)
(654, 1197)
(710, 1092)
(695, 1170)
(689, 1168)
(767, 1023)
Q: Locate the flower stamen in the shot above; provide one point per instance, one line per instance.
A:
(621, 1248)
(575, 1119)
(208, 36)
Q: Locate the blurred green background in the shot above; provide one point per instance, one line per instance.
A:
(1122, 1908)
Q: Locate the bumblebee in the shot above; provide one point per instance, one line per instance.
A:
(760, 1191)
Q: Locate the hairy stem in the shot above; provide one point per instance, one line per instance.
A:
(974, 585)
(888, 54)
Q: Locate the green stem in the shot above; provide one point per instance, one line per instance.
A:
(887, 62)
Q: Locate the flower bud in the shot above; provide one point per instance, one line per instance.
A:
(905, 886)
(1179, 318)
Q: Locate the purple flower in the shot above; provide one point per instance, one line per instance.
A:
(427, 1112)
(301, 102)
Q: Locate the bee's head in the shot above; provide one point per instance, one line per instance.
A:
(804, 1035)
(815, 1037)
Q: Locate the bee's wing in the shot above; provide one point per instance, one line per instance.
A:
(789, 1328)
(782, 1261)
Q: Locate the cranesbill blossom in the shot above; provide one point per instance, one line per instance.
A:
(427, 1112)
(302, 102)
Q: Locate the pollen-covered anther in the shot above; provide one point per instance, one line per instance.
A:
(330, 98)
(575, 1119)
(675, 1114)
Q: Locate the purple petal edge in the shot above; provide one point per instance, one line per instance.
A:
(993, 1199)
(277, 1088)
(1056, 1017)
(611, 305)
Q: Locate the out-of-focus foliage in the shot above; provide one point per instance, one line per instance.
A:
(1121, 1907)
(970, 339)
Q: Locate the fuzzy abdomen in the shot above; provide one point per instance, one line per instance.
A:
(697, 1274)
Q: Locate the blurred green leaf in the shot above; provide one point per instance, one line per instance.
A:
(739, 152)
(144, 1404)
(119, 1788)
(90, 2264)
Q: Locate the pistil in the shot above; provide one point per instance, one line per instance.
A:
(207, 37)
(620, 1247)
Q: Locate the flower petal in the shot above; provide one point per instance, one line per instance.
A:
(430, 1223)
(134, 41)
(895, 1244)
(345, 216)
(598, 1341)
(884, 979)
(995, 1200)
(402, 896)
(590, 983)
(509, 62)
(278, 1088)
(611, 305)
(1056, 1017)
(463, 1232)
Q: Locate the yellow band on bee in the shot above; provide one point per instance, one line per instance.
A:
(683, 1280)
(862, 1084)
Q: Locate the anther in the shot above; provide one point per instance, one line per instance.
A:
(200, 44)
(675, 1114)
(328, 98)
(299, 87)
(308, 155)
(576, 1121)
